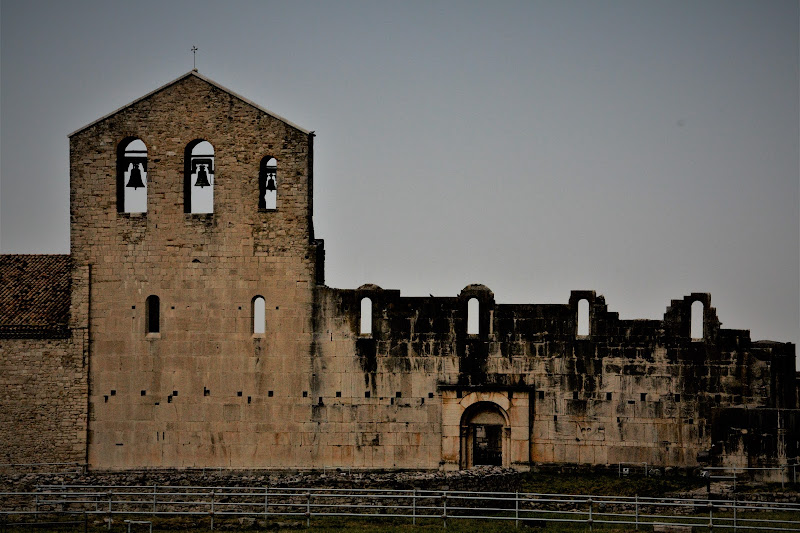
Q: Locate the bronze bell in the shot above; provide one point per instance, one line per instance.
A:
(271, 183)
(202, 177)
(135, 180)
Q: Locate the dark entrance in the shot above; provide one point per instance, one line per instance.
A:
(484, 436)
(487, 445)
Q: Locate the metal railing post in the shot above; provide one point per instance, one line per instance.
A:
(212, 510)
(266, 502)
(414, 508)
(589, 521)
(734, 512)
(308, 509)
(154, 499)
(516, 509)
(444, 509)
(109, 511)
(710, 516)
(783, 477)
(637, 512)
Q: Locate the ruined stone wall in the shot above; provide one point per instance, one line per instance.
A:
(205, 390)
(630, 391)
(373, 409)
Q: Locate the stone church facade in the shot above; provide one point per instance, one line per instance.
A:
(191, 327)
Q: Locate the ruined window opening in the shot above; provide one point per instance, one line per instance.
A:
(153, 306)
(198, 184)
(259, 315)
(643, 396)
(583, 318)
(268, 184)
(366, 316)
(132, 176)
(697, 321)
(608, 396)
(473, 323)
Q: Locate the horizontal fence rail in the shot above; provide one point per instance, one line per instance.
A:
(219, 503)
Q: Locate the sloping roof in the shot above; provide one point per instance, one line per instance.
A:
(207, 80)
(34, 295)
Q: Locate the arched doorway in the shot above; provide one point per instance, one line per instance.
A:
(485, 435)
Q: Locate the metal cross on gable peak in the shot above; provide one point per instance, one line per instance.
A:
(194, 57)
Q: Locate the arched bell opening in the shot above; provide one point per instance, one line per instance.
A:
(199, 177)
(267, 184)
(485, 436)
(132, 176)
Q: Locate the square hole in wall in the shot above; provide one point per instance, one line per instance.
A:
(169, 399)
(338, 394)
(643, 396)
(174, 393)
(206, 392)
(144, 393)
(366, 394)
(430, 395)
(269, 393)
(555, 418)
(249, 399)
(305, 394)
(541, 395)
(113, 393)
(105, 399)
(133, 307)
(398, 394)
(574, 395)
(608, 396)
(677, 398)
(239, 393)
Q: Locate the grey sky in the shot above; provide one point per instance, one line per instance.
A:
(642, 149)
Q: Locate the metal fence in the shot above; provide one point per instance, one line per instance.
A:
(211, 505)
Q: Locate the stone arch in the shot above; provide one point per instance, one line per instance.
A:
(485, 435)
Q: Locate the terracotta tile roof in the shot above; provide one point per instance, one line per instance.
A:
(34, 295)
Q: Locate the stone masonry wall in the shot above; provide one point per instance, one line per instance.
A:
(205, 390)
(43, 386)
(631, 391)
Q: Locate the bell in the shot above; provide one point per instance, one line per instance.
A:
(202, 178)
(135, 180)
(271, 184)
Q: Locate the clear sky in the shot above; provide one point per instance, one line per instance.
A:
(643, 149)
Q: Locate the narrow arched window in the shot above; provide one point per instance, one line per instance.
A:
(583, 318)
(366, 317)
(473, 311)
(268, 184)
(697, 321)
(259, 315)
(198, 184)
(132, 176)
(152, 314)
